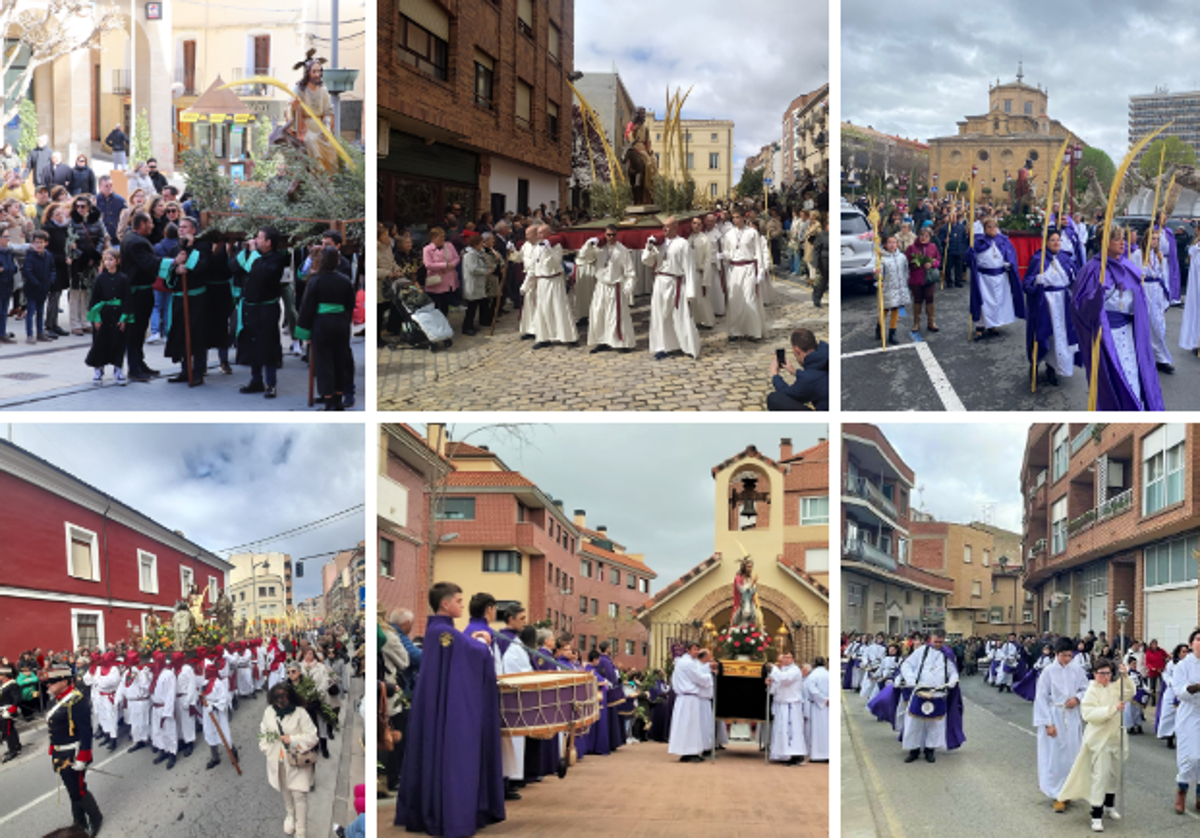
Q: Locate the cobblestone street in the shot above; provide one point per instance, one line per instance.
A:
(504, 373)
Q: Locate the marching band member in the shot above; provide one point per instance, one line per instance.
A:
(928, 670)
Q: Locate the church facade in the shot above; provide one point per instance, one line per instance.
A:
(1015, 130)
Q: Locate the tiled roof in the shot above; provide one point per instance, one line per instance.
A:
(482, 479)
(751, 453)
(463, 449)
(805, 575)
(679, 584)
(619, 558)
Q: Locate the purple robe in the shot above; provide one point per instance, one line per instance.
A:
(541, 755)
(660, 702)
(452, 783)
(883, 705)
(1113, 392)
(1027, 686)
(1037, 319)
(599, 737)
(615, 699)
(982, 243)
(1174, 278)
(955, 736)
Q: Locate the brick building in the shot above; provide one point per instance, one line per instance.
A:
(805, 134)
(79, 567)
(1112, 515)
(611, 585)
(474, 107)
(885, 587)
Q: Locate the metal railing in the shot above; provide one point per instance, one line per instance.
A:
(865, 551)
(1081, 438)
(264, 90)
(1116, 505)
(122, 81)
(189, 77)
(868, 491)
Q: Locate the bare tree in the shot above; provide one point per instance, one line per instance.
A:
(49, 30)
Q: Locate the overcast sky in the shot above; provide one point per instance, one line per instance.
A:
(918, 70)
(223, 485)
(652, 485)
(743, 63)
(961, 467)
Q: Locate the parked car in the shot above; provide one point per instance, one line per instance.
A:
(858, 248)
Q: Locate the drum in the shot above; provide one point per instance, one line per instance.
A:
(541, 704)
(928, 704)
(1010, 665)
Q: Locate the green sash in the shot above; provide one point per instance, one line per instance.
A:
(245, 302)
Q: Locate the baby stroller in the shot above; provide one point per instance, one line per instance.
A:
(422, 326)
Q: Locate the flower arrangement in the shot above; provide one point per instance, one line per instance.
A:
(209, 635)
(160, 639)
(744, 640)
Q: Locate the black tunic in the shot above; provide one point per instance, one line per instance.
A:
(197, 292)
(258, 341)
(69, 723)
(329, 329)
(219, 304)
(111, 293)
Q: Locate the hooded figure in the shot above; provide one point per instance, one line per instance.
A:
(163, 733)
(135, 694)
(214, 706)
(185, 702)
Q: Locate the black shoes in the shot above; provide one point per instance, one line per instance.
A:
(10, 756)
(1166, 368)
(170, 761)
(1051, 375)
(269, 393)
(180, 378)
(225, 368)
(215, 759)
(913, 755)
(527, 337)
(162, 755)
(541, 344)
(252, 387)
(929, 757)
(137, 747)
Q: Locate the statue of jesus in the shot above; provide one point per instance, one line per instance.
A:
(745, 596)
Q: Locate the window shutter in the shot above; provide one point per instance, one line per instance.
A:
(525, 12)
(81, 557)
(484, 60)
(524, 95)
(428, 15)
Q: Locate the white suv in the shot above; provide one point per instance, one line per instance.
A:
(858, 247)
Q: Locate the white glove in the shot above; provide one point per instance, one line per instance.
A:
(593, 240)
(652, 240)
(724, 257)
(79, 766)
(511, 247)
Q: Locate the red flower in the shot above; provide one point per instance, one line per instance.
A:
(737, 643)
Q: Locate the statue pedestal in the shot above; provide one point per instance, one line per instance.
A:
(643, 209)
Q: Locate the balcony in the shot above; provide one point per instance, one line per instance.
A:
(1115, 505)
(864, 551)
(1081, 523)
(868, 491)
(122, 81)
(189, 77)
(261, 90)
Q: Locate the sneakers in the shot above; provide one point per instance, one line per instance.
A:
(155, 338)
(289, 824)
(98, 376)
(1097, 825)
(297, 348)
(43, 337)
(120, 377)
(30, 339)
(1111, 813)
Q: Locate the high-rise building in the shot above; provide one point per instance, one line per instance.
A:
(1150, 111)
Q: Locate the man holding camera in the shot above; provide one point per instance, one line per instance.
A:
(810, 390)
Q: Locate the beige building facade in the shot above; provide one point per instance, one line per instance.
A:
(708, 147)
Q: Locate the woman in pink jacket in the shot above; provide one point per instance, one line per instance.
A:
(441, 279)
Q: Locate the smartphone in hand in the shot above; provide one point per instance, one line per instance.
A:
(781, 357)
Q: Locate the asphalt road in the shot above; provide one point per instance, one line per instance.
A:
(188, 801)
(990, 784)
(945, 371)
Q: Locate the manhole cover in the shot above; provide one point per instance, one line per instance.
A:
(23, 376)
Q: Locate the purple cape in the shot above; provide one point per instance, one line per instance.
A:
(615, 698)
(883, 705)
(451, 784)
(1037, 311)
(660, 727)
(982, 243)
(1174, 280)
(848, 673)
(1027, 686)
(1087, 311)
(955, 736)
(541, 755)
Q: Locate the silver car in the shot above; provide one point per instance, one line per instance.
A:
(858, 247)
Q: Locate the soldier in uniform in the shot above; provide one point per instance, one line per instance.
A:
(69, 724)
(10, 705)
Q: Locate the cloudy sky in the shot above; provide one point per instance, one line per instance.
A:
(917, 72)
(651, 485)
(961, 467)
(747, 67)
(223, 485)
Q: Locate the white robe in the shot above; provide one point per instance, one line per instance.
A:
(135, 692)
(787, 729)
(162, 715)
(1166, 718)
(216, 703)
(512, 748)
(671, 324)
(552, 320)
(106, 687)
(995, 290)
(1133, 711)
(746, 296)
(691, 727)
(527, 256)
(851, 655)
(1096, 769)
(1008, 653)
(185, 699)
(610, 320)
(1187, 718)
(1120, 300)
(1189, 332)
(245, 675)
(1056, 754)
(1157, 304)
(1060, 347)
(717, 289)
(261, 654)
(582, 294)
(702, 308)
(816, 691)
(938, 672)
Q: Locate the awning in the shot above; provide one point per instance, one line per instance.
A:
(217, 107)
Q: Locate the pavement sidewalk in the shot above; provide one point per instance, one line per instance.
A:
(858, 811)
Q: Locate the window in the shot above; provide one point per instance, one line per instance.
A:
(583, 605)
(1026, 616)
(595, 606)
(456, 509)
(814, 510)
(555, 37)
(614, 576)
(485, 77)
(187, 578)
(241, 596)
(908, 597)
(387, 557)
(147, 572)
(87, 628)
(631, 581)
(926, 600)
(691, 160)
(501, 561)
(713, 138)
(714, 159)
(976, 588)
(271, 591)
(987, 558)
(521, 512)
(1008, 105)
(524, 97)
(612, 643)
(552, 128)
(212, 589)
(1163, 467)
(262, 591)
(629, 646)
(549, 573)
(1171, 562)
(981, 616)
(995, 585)
(1062, 453)
(525, 17)
(557, 578)
(83, 553)
(645, 649)
(966, 554)
(426, 50)
(1029, 112)
(585, 568)
(644, 586)
(855, 594)
(614, 610)
(712, 190)
(1058, 526)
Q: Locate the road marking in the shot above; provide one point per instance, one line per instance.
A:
(893, 348)
(49, 794)
(1005, 721)
(941, 383)
(864, 757)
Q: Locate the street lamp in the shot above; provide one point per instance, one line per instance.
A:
(1076, 158)
(254, 584)
(338, 81)
(1122, 613)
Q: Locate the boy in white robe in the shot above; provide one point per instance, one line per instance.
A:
(1185, 682)
(552, 318)
(927, 668)
(1096, 771)
(185, 703)
(135, 693)
(610, 320)
(741, 253)
(672, 328)
(1058, 720)
(816, 691)
(688, 681)
(214, 709)
(702, 308)
(1009, 655)
(162, 714)
(786, 684)
(717, 290)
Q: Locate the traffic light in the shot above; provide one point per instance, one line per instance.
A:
(299, 570)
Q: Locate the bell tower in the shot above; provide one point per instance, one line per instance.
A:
(749, 507)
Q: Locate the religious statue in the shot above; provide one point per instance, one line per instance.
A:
(223, 612)
(152, 624)
(1022, 190)
(643, 165)
(302, 130)
(196, 605)
(181, 625)
(745, 596)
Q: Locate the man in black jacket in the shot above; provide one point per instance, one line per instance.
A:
(10, 705)
(118, 141)
(60, 173)
(156, 177)
(142, 266)
(810, 390)
(39, 161)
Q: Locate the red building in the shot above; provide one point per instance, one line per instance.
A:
(79, 567)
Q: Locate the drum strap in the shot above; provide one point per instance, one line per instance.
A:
(920, 669)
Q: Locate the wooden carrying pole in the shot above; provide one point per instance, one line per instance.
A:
(874, 219)
(187, 328)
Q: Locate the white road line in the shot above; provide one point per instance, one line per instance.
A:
(893, 348)
(1006, 721)
(945, 391)
(38, 800)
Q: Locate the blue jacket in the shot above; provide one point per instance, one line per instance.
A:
(8, 261)
(812, 382)
(39, 274)
(409, 675)
(110, 211)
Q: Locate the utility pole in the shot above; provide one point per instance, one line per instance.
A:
(333, 61)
